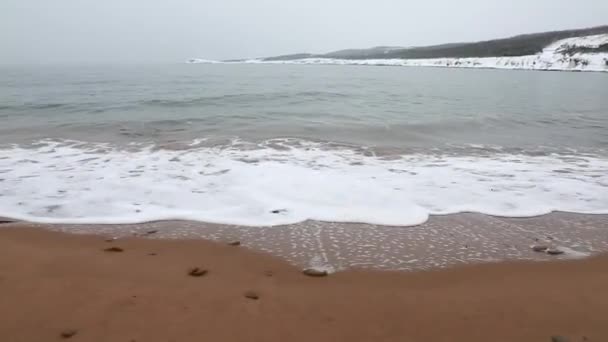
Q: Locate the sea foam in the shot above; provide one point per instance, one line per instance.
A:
(278, 183)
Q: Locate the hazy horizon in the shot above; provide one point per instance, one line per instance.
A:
(71, 31)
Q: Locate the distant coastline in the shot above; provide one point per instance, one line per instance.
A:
(573, 50)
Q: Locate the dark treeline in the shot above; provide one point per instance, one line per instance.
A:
(522, 45)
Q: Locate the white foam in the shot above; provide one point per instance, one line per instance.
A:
(77, 183)
(574, 254)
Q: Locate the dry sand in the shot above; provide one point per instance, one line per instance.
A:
(51, 283)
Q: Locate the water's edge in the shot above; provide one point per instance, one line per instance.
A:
(443, 241)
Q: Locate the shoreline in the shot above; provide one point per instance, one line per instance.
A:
(442, 63)
(443, 241)
(52, 283)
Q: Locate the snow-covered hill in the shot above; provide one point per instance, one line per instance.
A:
(572, 54)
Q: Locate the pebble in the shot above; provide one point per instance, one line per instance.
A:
(558, 338)
(197, 272)
(252, 295)
(114, 249)
(311, 272)
(540, 248)
(68, 333)
(554, 251)
(234, 243)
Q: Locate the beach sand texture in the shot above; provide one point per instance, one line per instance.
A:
(56, 286)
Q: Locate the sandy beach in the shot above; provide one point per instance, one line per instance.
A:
(54, 284)
(442, 241)
(188, 172)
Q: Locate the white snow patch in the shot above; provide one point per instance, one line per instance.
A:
(553, 57)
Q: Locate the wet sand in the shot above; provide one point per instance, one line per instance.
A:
(442, 241)
(53, 283)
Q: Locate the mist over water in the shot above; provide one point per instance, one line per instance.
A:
(277, 144)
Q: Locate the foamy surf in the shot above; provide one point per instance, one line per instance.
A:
(277, 184)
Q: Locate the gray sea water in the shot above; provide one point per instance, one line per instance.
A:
(279, 144)
(383, 107)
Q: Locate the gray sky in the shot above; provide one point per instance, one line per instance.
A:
(73, 31)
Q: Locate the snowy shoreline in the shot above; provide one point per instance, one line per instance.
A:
(555, 57)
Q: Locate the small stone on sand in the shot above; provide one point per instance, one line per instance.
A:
(252, 295)
(540, 248)
(114, 249)
(197, 272)
(558, 338)
(554, 251)
(311, 272)
(68, 333)
(234, 243)
(150, 232)
(5, 221)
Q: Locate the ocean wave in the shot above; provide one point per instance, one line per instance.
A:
(245, 98)
(287, 181)
(46, 106)
(35, 106)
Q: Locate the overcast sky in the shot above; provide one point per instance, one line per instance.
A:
(69, 31)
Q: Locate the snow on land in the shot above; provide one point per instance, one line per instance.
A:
(203, 61)
(553, 57)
